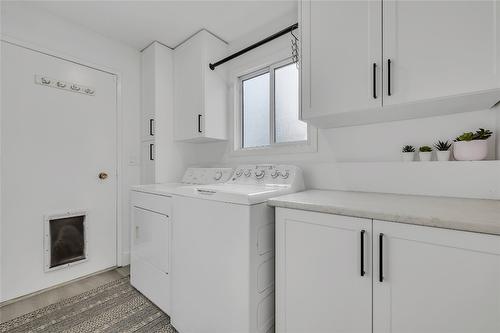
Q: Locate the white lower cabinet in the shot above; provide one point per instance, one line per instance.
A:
(416, 279)
(320, 287)
(435, 280)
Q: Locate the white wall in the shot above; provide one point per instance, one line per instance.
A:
(40, 29)
(366, 158)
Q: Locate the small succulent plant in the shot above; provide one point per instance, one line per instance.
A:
(408, 149)
(480, 134)
(442, 145)
(425, 149)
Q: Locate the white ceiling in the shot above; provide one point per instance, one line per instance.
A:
(138, 23)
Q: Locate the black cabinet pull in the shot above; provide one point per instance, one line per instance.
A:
(362, 262)
(389, 77)
(199, 123)
(151, 127)
(381, 257)
(374, 80)
(151, 146)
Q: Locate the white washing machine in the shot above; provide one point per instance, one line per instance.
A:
(151, 232)
(223, 251)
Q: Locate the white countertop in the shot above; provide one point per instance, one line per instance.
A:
(475, 215)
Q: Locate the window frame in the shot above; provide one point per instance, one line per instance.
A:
(308, 145)
(247, 77)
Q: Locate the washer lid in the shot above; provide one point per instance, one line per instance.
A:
(235, 193)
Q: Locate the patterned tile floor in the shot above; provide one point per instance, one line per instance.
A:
(113, 306)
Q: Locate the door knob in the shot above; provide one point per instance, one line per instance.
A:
(103, 175)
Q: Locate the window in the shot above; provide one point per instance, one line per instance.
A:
(270, 107)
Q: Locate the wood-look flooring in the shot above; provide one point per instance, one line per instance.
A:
(39, 300)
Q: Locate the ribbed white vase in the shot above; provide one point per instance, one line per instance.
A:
(408, 156)
(443, 155)
(425, 156)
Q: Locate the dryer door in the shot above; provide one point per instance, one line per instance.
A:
(151, 238)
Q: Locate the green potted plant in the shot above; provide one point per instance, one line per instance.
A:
(425, 153)
(472, 146)
(443, 150)
(408, 153)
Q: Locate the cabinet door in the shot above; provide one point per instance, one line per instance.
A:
(148, 162)
(435, 280)
(148, 127)
(151, 238)
(319, 286)
(439, 48)
(148, 92)
(188, 89)
(341, 43)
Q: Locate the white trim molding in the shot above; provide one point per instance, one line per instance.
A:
(307, 146)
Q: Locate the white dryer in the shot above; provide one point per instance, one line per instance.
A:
(223, 251)
(151, 232)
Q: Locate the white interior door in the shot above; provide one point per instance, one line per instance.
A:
(435, 280)
(54, 143)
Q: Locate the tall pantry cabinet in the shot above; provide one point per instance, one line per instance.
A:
(148, 93)
(160, 159)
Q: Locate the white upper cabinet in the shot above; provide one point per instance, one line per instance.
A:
(200, 94)
(341, 56)
(431, 58)
(439, 48)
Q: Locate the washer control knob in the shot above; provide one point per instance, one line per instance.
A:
(238, 173)
(248, 172)
(218, 175)
(260, 174)
(285, 175)
(275, 174)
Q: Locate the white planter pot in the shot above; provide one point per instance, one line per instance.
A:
(425, 156)
(408, 157)
(475, 150)
(443, 155)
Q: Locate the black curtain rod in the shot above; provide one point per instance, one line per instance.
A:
(253, 46)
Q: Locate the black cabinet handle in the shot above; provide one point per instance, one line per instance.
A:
(374, 80)
(381, 257)
(151, 146)
(199, 123)
(151, 127)
(362, 261)
(389, 77)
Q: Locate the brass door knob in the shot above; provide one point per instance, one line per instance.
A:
(103, 175)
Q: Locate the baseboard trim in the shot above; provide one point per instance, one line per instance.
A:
(125, 258)
(20, 298)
